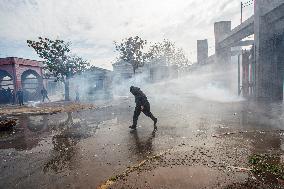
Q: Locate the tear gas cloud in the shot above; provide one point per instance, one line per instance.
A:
(209, 83)
(206, 84)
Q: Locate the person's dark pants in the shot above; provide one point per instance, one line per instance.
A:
(21, 101)
(45, 97)
(146, 111)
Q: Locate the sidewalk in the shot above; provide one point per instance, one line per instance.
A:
(43, 108)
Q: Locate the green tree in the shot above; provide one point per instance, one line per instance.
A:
(167, 50)
(58, 61)
(131, 51)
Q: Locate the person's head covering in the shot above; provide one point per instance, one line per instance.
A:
(134, 90)
(131, 88)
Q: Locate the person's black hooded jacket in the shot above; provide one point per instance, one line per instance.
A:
(140, 97)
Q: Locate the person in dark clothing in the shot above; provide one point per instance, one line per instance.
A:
(77, 94)
(13, 97)
(44, 94)
(20, 96)
(9, 94)
(142, 104)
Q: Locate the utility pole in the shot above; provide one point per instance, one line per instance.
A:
(239, 74)
(241, 12)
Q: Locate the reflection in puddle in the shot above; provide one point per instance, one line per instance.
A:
(55, 135)
(64, 144)
(30, 130)
(35, 123)
(63, 151)
(142, 148)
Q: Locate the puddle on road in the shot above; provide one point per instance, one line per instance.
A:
(143, 146)
(178, 177)
(31, 130)
(196, 177)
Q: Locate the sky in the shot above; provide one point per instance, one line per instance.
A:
(93, 25)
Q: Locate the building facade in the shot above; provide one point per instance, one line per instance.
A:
(19, 73)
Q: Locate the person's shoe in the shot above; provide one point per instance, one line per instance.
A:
(132, 127)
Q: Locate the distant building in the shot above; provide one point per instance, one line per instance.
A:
(202, 51)
(156, 70)
(99, 78)
(123, 70)
(95, 83)
(160, 69)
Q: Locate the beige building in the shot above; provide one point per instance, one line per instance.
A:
(156, 70)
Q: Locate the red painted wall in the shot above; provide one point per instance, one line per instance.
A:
(17, 66)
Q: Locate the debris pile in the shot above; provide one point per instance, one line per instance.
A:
(51, 108)
(267, 167)
(7, 124)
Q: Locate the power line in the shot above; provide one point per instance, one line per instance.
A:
(247, 3)
(244, 5)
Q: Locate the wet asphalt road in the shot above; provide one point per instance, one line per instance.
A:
(202, 144)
